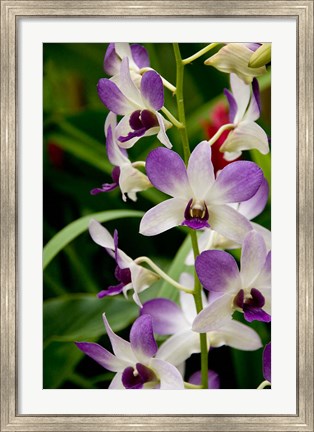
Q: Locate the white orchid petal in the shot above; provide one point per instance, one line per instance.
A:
(170, 377)
(236, 335)
(162, 136)
(166, 215)
(121, 347)
(252, 258)
(215, 315)
(241, 94)
(116, 383)
(179, 347)
(246, 136)
(200, 170)
(100, 235)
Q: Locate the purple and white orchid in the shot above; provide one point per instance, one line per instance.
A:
(244, 110)
(134, 362)
(234, 58)
(124, 174)
(172, 319)
(210, 239)
(116, 52)
(138, 106)
(199, 199)
(247, 290)
(128, 273)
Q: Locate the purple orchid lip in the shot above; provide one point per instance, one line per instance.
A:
(196, 215)
(140, 122)
(136, 378)
(107, 187)
(252, 307)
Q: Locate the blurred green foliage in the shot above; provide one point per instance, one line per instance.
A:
(74, 162)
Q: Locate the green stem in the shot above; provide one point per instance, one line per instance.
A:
(173, 120)
(188, 385)
(197, 293)
(161, 273)
(166, 83)
(199, 307)
(199, 53)
(220, 131)
(263, 385)
(180, 102)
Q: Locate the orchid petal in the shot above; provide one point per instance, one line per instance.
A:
(214, 316)
(166, 171)
(263, 279)
(152, 90)
(254, 110)
(166, 315)
(121, 347)
(213, 379)
(132, 180)
(255, 205)
(241, 94)
(116, 383)
(234, 58)
(162, 217)
(170, 377)
(187, 301)
(163, 125)
(123, 129)
(127, 86)
(229, 223)
(179, 347)
(264, 232)
(252, 258)
(236, 335)
(142, 339)
(100, 235)
(236, 182)
(267, 362)
(114, 153)
(142, 278)
(102, 356)
(233, 107)
(112, 97)
(218, 271)
(200, 170)
(140, 55)
(111, 60)
(246, 136)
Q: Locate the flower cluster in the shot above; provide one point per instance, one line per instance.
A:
(214, 203)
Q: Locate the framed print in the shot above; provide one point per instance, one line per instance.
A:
(148, 150)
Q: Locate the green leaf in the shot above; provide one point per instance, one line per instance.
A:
(175, 270)
(79, 317)
(79, 149)
(59, 361)
(74, 229)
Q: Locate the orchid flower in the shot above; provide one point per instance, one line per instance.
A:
(134, 362)
(199, 199)
(128, 273)
(124, 174)
(116, 52)
(171, 319)
(210, 239)
(247, 290)
(244, 111)
(139, 106)
(235, 58)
